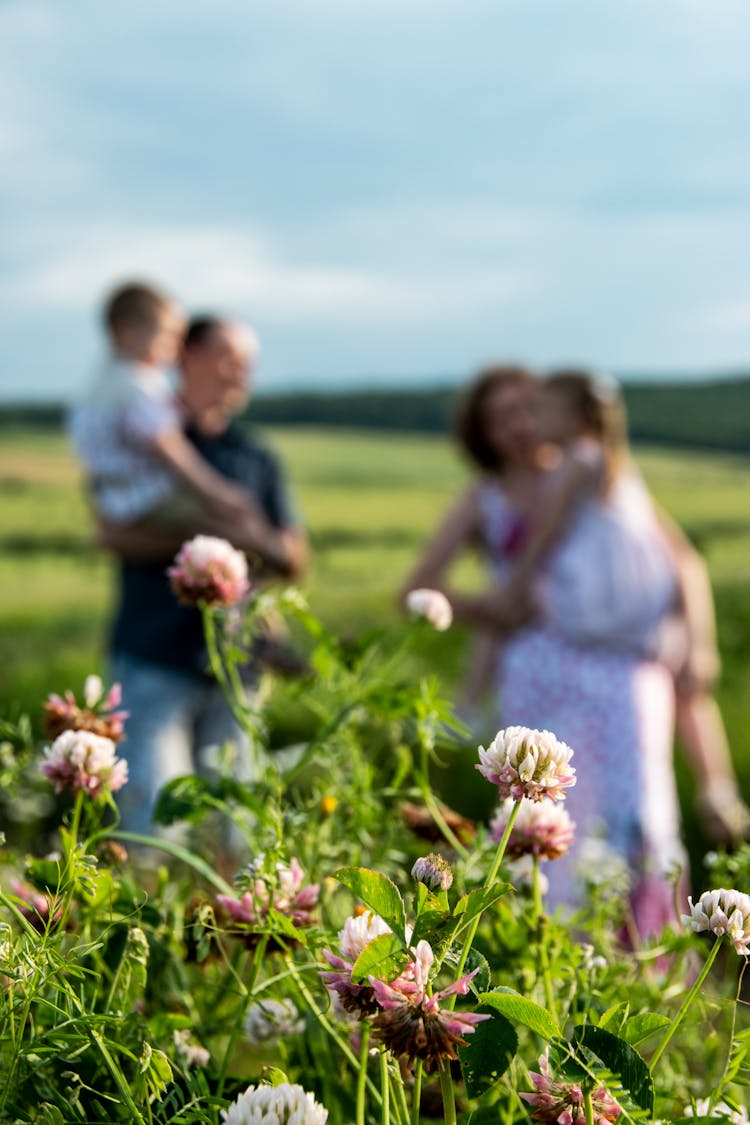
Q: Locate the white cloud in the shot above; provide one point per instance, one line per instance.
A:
(221, 267)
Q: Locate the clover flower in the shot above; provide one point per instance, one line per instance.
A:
(527, 763)
(284, 1104)
(721, 1109)
(99, 713)
(563, 1102)
(433, 606)
(356, 935)
(541, 828)
(78, 759)
(271, 1019)
(434, 871)
(209, 570)
(723, 913)
(282, 891)
(188, 1050)
(412, 1022)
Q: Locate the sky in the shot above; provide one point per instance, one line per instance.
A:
(390, 191)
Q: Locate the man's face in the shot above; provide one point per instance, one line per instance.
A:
(216, 373)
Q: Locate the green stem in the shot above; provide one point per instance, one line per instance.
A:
(491, 876)
(587, 1105)
(402, 1107)
(449, 1096)
(385, 1115)
(686, 1004)
(362, 1076)
(247, 995)
(417, 1095)
(539, 927)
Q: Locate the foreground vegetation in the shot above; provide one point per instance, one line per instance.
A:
(345, 974)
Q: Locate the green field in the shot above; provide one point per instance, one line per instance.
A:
(369, 500)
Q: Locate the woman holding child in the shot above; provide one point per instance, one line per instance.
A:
(586, 576)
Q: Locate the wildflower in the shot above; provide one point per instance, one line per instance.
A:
(412, 1022)
(721, 1109)
(112, 852)
(722, 912)
(434, 871)
(356, 935)
(563, 1102)
(275, 1105)
(541, 828)
(433, 606)
(328, 804)
(188, 1050)
(78, 759)
(521, 872)
(283, 892)
(527, 763)
(600, 867)
(99, 714)
(272, 1019)
(209, 570)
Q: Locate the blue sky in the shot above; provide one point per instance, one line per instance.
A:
(389, 190)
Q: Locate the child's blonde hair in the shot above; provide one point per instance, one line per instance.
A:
(598, 403)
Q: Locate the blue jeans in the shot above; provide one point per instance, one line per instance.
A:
(177, 725)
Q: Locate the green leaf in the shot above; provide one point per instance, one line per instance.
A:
(432, 916)
(377, 892)
(615, 1017)
(639, 1027)
(272, 1076)
(489, 1052)
(619, 1057)
(384, 957)
(521, 1010)
(483, 980)
(479, 900)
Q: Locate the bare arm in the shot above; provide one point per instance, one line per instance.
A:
(281, 551)
(174, 448)
(455, 534)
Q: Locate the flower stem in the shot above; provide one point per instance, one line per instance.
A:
(417, 1095)
(385, 1113)
(491, 876)
(449, 1096)
(539, 927)
(362, 1076)
(685, 1004)
(587, 1105)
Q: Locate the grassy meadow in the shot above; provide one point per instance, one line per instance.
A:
(369, 501)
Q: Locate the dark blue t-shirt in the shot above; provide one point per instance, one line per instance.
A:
(150, 623)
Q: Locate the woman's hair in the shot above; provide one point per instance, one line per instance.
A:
(471, 429)
(597, 401)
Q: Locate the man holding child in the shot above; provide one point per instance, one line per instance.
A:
(163, 468)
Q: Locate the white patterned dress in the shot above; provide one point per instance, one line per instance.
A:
(615, 708)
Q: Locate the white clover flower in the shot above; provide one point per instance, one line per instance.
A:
(188, 1050)
(521, 873)
(724, 913)
(721, 1109)
(271, 1019)
(599, 865)
(275, 1105)
(434, 871)
(527, 763)
(209, 570)
(78, 759)
(433, 606)
(541, 828)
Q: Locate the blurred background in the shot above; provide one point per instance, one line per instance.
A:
(391, 193)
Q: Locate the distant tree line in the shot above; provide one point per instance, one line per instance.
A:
(712, 415)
